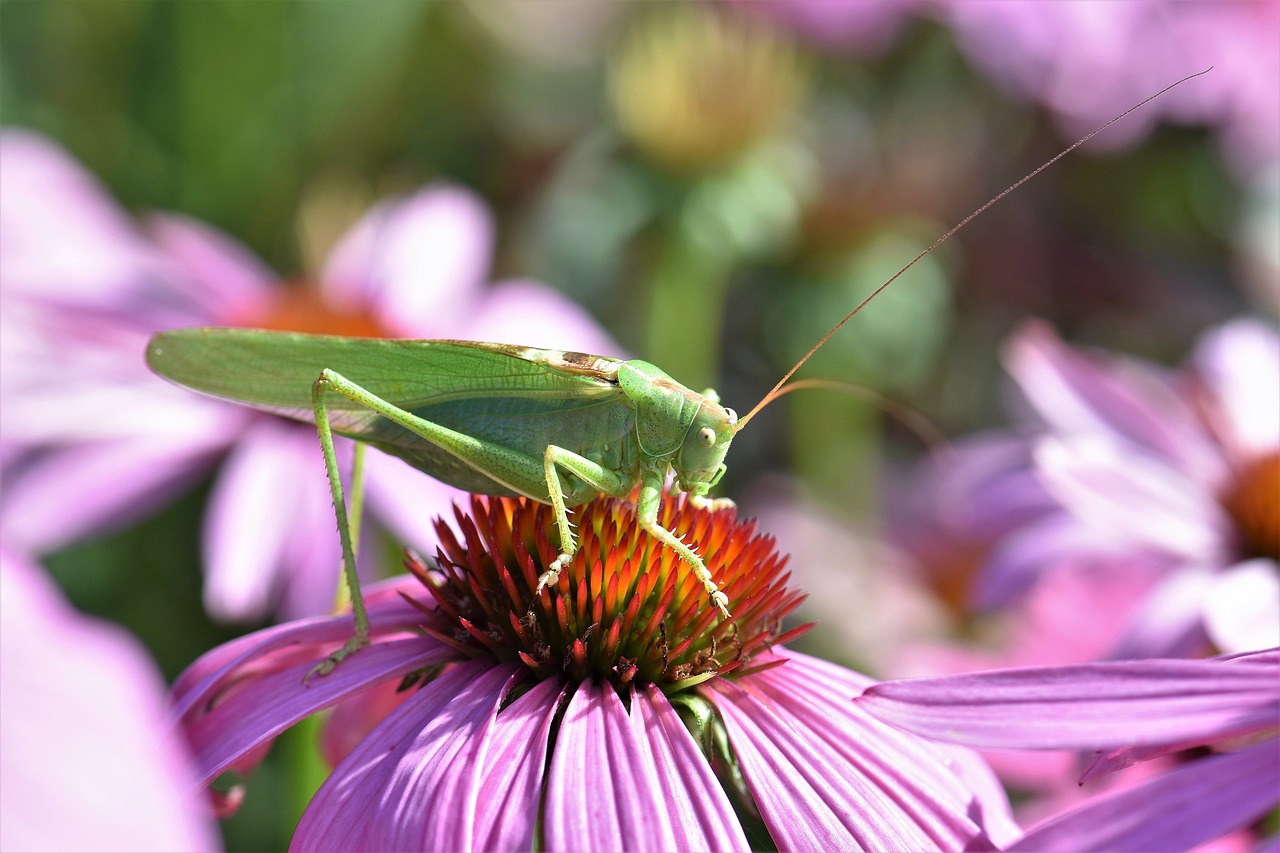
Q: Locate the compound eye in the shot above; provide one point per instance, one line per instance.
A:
(707, 436)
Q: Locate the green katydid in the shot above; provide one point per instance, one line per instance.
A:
(497, 419)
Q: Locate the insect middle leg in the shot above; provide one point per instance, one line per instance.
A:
(594, 474)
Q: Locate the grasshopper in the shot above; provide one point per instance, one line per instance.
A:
(497, 419)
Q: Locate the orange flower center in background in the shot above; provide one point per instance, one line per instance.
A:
(1253, 500)
(296, 307)
(626, 609)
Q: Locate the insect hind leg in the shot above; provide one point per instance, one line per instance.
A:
(360, 636)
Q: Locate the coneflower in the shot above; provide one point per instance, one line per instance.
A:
(615, 711)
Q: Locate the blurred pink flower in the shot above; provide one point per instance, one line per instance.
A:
(1128, 712)
(86, 760)
(978, 503)
(867, 26)
(1089, 61)
(92, 440)
(1185, 466)
(565, 723)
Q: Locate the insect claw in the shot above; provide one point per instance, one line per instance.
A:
(329, 664)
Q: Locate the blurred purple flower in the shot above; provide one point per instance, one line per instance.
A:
(567, 724)
(92, 440)
(85, 759)
(1088, 62)
(867, 26)
(1184, 466)
(1128, 712)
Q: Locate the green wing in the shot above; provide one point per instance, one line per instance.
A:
(274, 371)
(519, 397)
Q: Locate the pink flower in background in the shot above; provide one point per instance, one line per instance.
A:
(869, 26)
(86, 760)
(1088, 62)
(1185, 466)
(566, 725)
(92, 440)
(1128, 712)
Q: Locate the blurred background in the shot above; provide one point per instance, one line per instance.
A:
(715, 184)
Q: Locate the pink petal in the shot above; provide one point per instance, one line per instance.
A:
(63, 496)
(1027, 553)
(513, 769)
(1135, 498)
(270, 526)
(410, 784)
(227, 280)
(532, 314)
(1240, 364)
(249, 515)
(255, 711)
(1168, 622)
(1242, 611)
(605, 791)
(693, 799)
(351, 720)
(284, 645)
(418, 262)
(1178, 810)
(1086, 706)
(87, 763)
(64, 240)
(1117, 399)
(825, 776)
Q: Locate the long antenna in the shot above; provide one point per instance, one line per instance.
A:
(774, 392)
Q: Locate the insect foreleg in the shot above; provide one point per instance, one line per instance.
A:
(609, 482)
(647, 516)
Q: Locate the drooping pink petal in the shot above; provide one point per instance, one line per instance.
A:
(86, 761)
(285, 645)
(1178, 810)
(1086, 706)
(351, 720)
(824, 778)
(411, 784)
(253, 712)
(418, 262)
(600, 750)
(946, 785)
